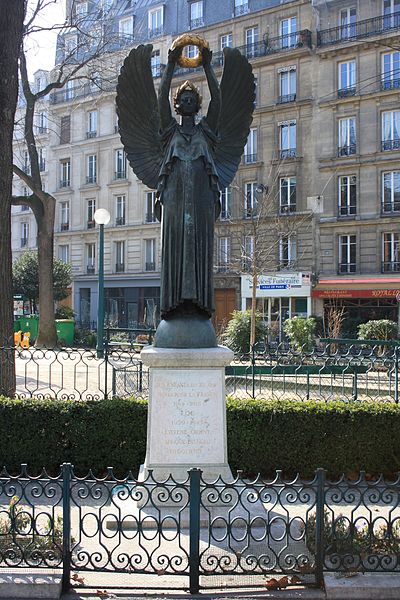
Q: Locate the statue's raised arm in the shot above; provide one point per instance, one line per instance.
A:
(188, 163)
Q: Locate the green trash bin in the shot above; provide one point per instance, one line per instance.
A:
(65, 331)
(30, 323)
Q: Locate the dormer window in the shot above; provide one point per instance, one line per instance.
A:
(156, 21)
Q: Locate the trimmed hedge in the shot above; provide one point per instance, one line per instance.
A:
(262, 436)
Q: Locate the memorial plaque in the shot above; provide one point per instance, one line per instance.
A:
(187, 416)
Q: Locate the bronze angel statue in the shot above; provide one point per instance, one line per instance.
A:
(188, 163)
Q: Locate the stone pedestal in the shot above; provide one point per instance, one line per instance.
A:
(186, 425)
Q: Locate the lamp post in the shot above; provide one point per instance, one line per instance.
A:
(101, 217)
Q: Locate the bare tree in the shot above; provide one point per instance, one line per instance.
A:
(11, 29)
(79, 63)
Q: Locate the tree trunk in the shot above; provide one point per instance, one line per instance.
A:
(11, 28)
(47, 331)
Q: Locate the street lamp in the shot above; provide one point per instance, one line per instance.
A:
(101, 217)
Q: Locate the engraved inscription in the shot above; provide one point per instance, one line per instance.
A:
(187, 417)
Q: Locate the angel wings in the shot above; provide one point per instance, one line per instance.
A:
(139, 119)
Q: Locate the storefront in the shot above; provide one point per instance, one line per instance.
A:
(363, 299)
(280, 296)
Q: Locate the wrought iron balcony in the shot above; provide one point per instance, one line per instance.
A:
(150, 217)
(150, 266)
(390, 207)
(91, 224)
(241, 9)
(390, 145)
(287, 153)
(345, 92)
(346, 267)
(119, 267)
(286, 98)
(64, 183)
(195, 23)
(64, 226)
(120, 221)
(225, 214)
(90, 269)
(249, 158)
(223, 268)
(91, 134)
(347, 150)
(120, 175)
(390, 84)
(285, 209)
(391, 267)
(359, 30)
(91, 178)
(155, 32)
(347, 211)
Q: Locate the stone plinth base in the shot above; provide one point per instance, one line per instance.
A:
(186, 425)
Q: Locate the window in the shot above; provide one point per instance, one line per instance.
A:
(391, 192)
(65, 173)
(287, 195)
(92, 124)
(119, 257)
(24, 234)
(252, 42)
(347, 79)
(226, 41)
(347, 254)
(190, 51)
(40, 82)
(391, 10)
(42, 159)
(226, 201)
(347, 195)
(250, 149)
(287, 139)
(90, 210)
(347, 22)
(391, 70)
(156, 64)
(347, 137)
(64, 216)
(241, 7)
(70, 45)
(90, 251)
(150, 204)
(69, 90)
(196, 14)
(287, 251)
(288, 30)
(156, 21)
(26, 166)
(248, 252)
(63, 253)
(120, 209)
(255, 91)
(224, 253)
(42, 122)
(390, 252)
(391, 130)
(65, 130)
(81, 8)
(287, 84)
(95, 82)
(250, 206)
(120, 164)
(126, 30)
(150, 254)
(91, 168)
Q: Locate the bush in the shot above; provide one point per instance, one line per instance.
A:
(85, 338)
(237, 333)
(381, 329)
(300, 332)
(262, 436)
(64, 312)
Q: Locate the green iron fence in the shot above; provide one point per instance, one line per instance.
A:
(240, 532)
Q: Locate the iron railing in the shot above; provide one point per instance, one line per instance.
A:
(345, 370)
(361, 29)
(196, 531)
(390, 145)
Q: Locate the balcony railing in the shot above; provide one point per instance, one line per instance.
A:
(347, 150)
(90, 269)
(345, 92)
(150, 266)
(150, 218)
(91, 224)
(249, 158)
(155, 32)
(91, 178)
(195, 23)
(390, 207)
(347, 211)
(225, 214)
(391, 267)
(390, 145)
(286, 98)
(223, 267)
(392, 84)
(287, 153)
(287, 209)
(345, 267)
(361, 29)
(241, 9)
(120, 221)
(119, 267)
(91, 134)
(120, 175)
(64, 226)
(65, 183)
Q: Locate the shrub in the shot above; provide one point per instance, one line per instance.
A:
(381, 329)
(262, 435)
(300, 332)
(237, 332)
(64, 312)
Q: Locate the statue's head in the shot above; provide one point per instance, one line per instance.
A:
(187, 100)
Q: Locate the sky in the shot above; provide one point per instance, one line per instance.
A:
(41, 46)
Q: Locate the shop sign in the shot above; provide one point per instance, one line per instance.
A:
(343, 293)
(274, 285)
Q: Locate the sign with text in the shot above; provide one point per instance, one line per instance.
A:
(278, 284)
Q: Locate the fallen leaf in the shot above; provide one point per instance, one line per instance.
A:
(283, 582)
(295, 580)
(272, 584)
(102, 593)
(160, 572)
